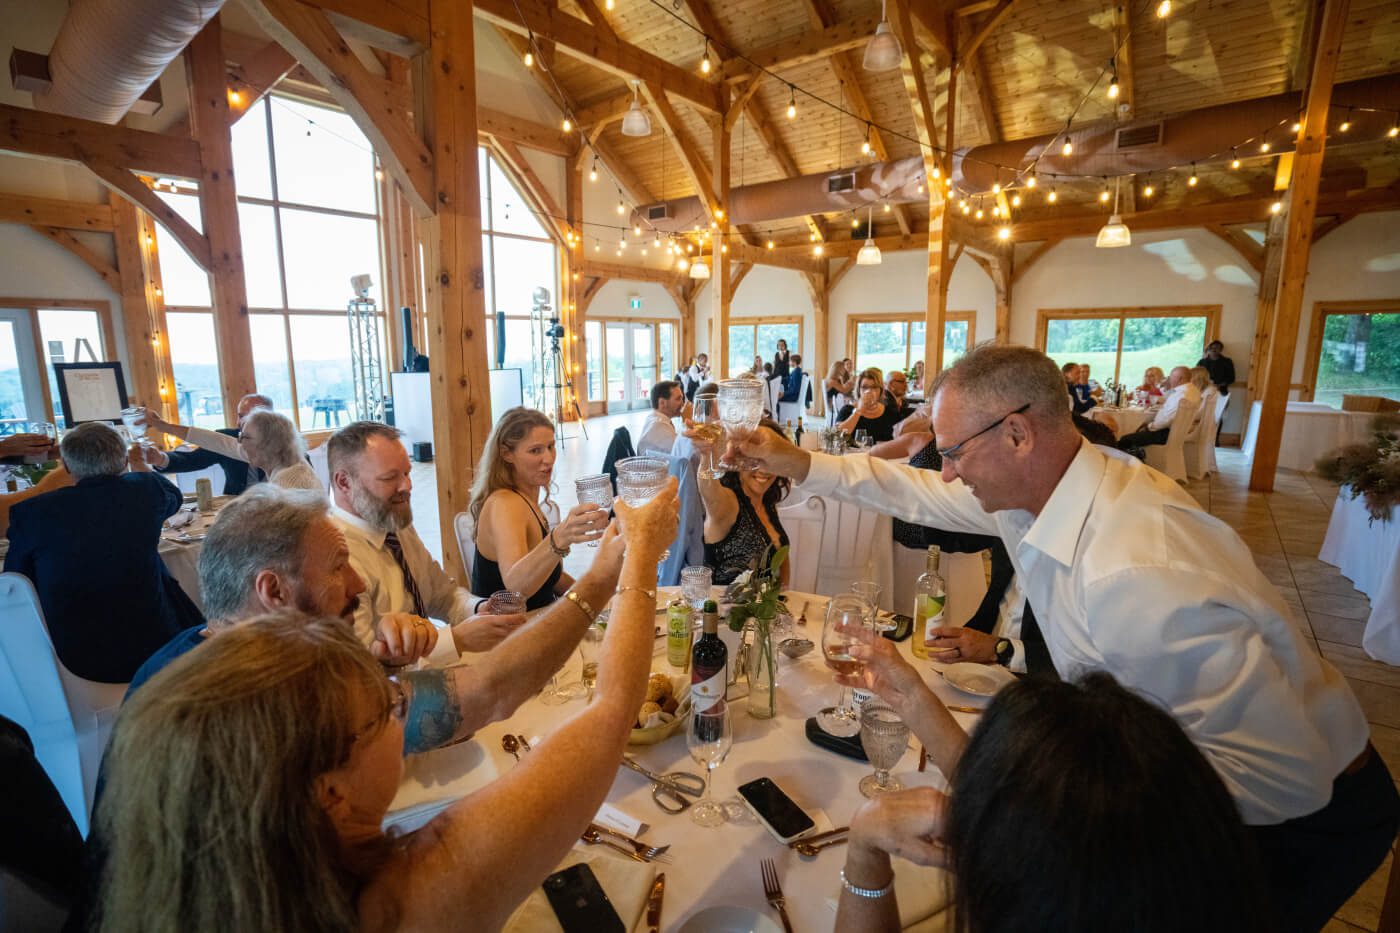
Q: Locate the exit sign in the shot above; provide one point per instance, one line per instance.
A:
(635, 302)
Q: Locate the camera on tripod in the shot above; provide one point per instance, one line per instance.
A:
(555, 330)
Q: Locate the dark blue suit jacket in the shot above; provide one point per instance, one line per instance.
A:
(237, 474)
(91, 552)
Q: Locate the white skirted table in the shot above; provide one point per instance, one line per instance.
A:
(1368, 554)
(1122, 420)
(1310, 429)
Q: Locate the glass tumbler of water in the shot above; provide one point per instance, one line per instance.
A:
(595, 490)
(638, 489)
(884, 736)
(135, 421)
(695, 585)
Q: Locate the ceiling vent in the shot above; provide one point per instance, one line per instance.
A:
(1139, 137)
(658, 212)
(839, 184)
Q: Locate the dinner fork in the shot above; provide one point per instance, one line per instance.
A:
(774, 891)
(593, 838)
(648, 852)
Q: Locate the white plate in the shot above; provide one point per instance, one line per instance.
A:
(729, 920)
(983, 680)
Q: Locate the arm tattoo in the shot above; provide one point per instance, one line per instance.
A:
(434, 713)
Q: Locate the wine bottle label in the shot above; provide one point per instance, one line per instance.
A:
(708, 692)
(859, 697)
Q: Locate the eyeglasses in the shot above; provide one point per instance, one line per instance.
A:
(954, 453)
(397, 709)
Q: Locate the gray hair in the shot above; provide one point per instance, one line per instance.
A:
(350, 441)
(1001, 378)
(278, 440)
(263, 529)
(264, 401)
(93, 448)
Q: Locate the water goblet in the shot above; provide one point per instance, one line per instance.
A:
(695, 585)
(870, 592)
(862, 438)
(596, 490)
(709, 735)
(637, 489)
(740, 411)
(884, 737)
(706, 426)
(847, 623)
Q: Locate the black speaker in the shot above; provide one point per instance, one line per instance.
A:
(423, 451)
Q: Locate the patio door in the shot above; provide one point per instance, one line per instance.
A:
(21, 384)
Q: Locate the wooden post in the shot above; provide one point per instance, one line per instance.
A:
(218, 205)
(820, 286)
(569, 284)
(1302, 211)
(145, 349)
(723, 293)
(1001, 281)
(456, 297)
(1265, 304)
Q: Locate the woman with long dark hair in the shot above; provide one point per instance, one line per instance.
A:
(741, 515)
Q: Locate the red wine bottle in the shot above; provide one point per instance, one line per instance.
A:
(708, 662)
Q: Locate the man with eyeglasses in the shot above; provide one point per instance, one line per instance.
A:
(1127, 574)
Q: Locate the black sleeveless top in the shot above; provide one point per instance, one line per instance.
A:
(486, 574)
(735, 552)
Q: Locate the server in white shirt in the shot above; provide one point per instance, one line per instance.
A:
(658, 433)
(1128, 575)
(371, 489)
(1179, 390)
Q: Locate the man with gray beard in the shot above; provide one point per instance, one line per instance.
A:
(371, 491)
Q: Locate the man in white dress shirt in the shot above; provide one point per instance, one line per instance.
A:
(371, 490)
(658, 433)
(1127, 574)
(1179, 390)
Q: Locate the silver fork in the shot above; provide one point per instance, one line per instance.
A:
(593, 838)
(774, 891)
(648, 852)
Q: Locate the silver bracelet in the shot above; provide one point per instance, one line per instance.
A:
(866, 892)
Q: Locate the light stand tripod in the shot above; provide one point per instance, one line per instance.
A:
(557, 361)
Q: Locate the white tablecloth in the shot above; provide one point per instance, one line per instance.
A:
(182, 557)
(1368, 554)
(1310, 429)
(1122, 420)
(711, 866)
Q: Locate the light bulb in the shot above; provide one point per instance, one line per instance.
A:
(1275, 207)
(855, 222)
(705, 64)
(996, 210)
(811, 238)
(719, 214)
(620, 208)
(1148, 190)
(378, 174)
(1052, 197)
(1346, 125)
(1394, 131)
(235, 97)
(1113, 88)
(1235, 159)
(937, 171)
(608, 4)
(724, 248)
(1264, 146)
(529, 59)
(1015, 200)
(1164, 9)
(1103, 196)
(887, 207)
(770, 244)
(1030, 181)
(817, 250)
(996, 187)
(150, 240)
(980, 213)
(1004, 233)
(593, 172)
(1193, 180)
(597, 248)
(1296, 126)
(636, 229)
(656, 242)
(1067, 148)
(865, 148)
(568, 125)
(921, 187)
(792, 102)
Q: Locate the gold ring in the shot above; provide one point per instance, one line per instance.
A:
(419, 623)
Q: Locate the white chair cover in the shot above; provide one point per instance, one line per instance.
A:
(462, 525)
(187, 481)
(1170, 458)
(804, 521)
(1199, 449)
(68, 718)
(792, 411)
(319, 457)
(838, 401)
(853, 544)
(775, 392)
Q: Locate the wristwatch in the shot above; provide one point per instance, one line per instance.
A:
(1004, 650)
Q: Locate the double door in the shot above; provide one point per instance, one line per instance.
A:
(634, 356)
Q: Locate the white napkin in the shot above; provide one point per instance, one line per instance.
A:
(627, 884)
(180, 519)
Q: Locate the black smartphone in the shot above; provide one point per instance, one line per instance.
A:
(580, 902)
(775, 810)
(903, 627)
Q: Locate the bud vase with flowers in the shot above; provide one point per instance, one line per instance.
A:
(755, 604)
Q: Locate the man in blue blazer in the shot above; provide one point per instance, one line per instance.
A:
(238, 474)
(91, 551)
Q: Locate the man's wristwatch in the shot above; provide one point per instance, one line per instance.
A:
(1004, 650)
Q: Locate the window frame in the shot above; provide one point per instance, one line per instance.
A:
(1321, 310)
(108, 350)
(754, 323)
(1044, 316)
(853, 322)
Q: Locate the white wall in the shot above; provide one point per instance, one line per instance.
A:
(612, 301)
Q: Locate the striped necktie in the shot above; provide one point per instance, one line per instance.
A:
(391, 541)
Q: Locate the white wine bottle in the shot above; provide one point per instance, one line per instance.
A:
(930, 595)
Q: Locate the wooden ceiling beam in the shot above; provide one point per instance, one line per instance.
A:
(1019, 269)
(975, 7)
(975, 73)
(51, 212)
(553, 219)
(809, 47)
(94, 260)
(603, 112)
(1123, 42)
(525, 133)
(586, 42)
(798, 259)
(255, 77)
(1249, 250)
(134, 190)
(398, 26)
(637, 273)
(691, 160)
(55, 136)
(968, 49)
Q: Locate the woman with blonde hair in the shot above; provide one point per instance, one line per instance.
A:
(1152, 381)
(272, 443)
(248, 782)
(837, 387)
(515, 547)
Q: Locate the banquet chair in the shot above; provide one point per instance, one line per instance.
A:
(792, 411)
(1200, 447)
(805, 524)
(688, 548)
(319, 459)
(462, 525)
(68, 718)
(775, 392)
(1170, 458)
(838, 401)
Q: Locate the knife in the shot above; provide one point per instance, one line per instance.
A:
(658, 890)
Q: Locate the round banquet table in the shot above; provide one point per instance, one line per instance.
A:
(1122, 420)
(180, 548)
(719, 866)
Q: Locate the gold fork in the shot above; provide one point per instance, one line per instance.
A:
(774, 891)
(594, 838)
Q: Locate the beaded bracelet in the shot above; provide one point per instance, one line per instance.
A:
(866, 892)
(583, 606)
(651, 594)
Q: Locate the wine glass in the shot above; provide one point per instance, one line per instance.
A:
(862, 438)
(847, 624)
(588, 648)
(870, 592)
(595, 490)
(704, 414)
(740, 410)
(884, 736)
(709, 736)
(638, 489)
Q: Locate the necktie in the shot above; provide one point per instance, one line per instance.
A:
(391, 541)
(1037, 654)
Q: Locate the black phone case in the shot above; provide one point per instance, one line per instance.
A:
(850, 747)
(904, 627)
(580, 903)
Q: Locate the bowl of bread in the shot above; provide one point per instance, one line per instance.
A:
(663, 711)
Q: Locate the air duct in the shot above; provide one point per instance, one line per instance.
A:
(109, 51)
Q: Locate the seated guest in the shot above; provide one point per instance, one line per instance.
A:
(371, 490)
(871, 413)
(792, 388)
(1152, 381)
(1090, 383)
(1080, 399)
(1179, 389)
(1220, 367)
(838, 386)
(896, 388)
(515, 547)
(917, 383)
(1210, 395)
(248, 782)
(91, 552)
(57, 478)
(41, 845)
(273, 445)
(741, 515)
(1106, 804)
(216, 448)
(658, 433)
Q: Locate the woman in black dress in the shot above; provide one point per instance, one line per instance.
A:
(781, 361)
(741, 516)
(870, 413)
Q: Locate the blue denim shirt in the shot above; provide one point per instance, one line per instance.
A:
(689, 547)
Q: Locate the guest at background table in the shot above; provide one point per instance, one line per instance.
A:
(515, 547)
(1127, 574)
(658, 433)
(371, 488)
(1104, 850)
(1179, 390)
(20, 447)
(1210, 393)
(792, 388)
(1220, 366)
(838, 387)
(216, 448)
(916, 384)
(781, 361)
(91, 551)
(871, 413)
(897, 393)
(272, 444)
(758, 366)
(297, 739)
(1090, 383)
(1079, 402)
(741, 515)
(697, 373)
(1153, 379)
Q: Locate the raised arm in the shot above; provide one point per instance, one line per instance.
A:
(485, 854)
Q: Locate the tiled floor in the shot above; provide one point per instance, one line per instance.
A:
(1284, 529)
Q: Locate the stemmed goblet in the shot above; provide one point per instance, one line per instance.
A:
(884, 736)
(706, 426)
(595, 490)
(639, 479)
(847, 623)
(740, 411)
(709, 735)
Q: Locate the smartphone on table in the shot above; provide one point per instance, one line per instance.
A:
(580, 903)
(776, 810)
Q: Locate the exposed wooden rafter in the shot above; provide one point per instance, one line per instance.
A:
(55, 136)
(1124, 62)
(809, 47)
(619, 270)
(51, 212)
(535, 189)
(691, 160)
(134, 190)
(984, 29)
(1250, 251)
(253, 78)
(94, 260)
(1023, 266)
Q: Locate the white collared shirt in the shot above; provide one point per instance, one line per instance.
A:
(1167, 413)
(385, 591)
(658, 434)
(1128, 575)
(219, 443)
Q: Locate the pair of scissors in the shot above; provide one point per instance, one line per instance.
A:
(671, 791)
